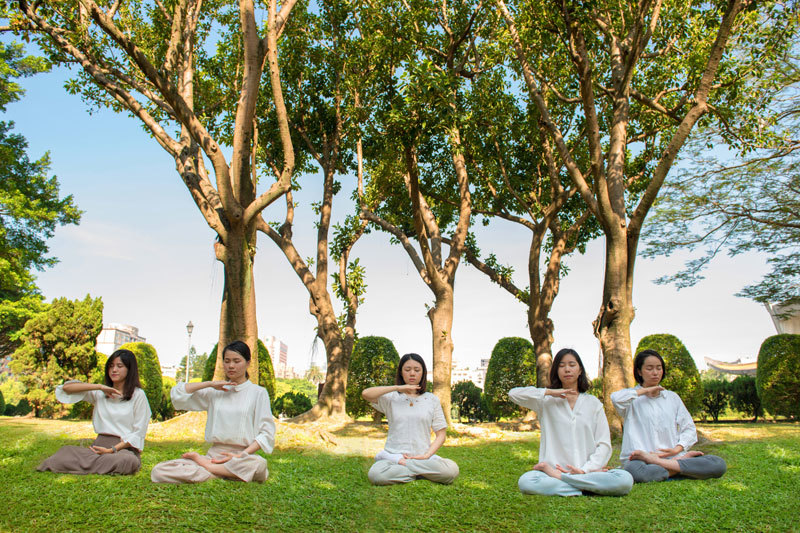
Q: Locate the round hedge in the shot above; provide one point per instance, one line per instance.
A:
(777, 378)
(682, 376)
(373, 363)
(291, 404)
(2, 403)
(266, 373)
(467, 396)
(512, 364)
(149, 373)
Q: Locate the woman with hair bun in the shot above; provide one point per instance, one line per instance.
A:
(239, 423)
(575, 443)
(120, 418)
(658, 429)
(412, 413)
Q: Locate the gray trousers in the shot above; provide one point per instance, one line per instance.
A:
(436, 469)
(701, 467)
(615, 482)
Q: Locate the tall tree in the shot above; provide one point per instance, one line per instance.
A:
(430, 52)
(191, 73)
(326, 67)
(644, 73)
(30, 207)
(57, 344)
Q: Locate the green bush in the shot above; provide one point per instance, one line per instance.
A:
(485, 414)
(744, 397)
(10, 410)
(777, 379)
(149, 373)
(23, 408)
(166, 409)
(291, 404)
(84, 410)
(373, 363)
(266, 374)
(715, 397)
(282, 386)
(211, 365)
(596, 389)
(682, 376)
(512, 364)
(466, 396)
(2, 403)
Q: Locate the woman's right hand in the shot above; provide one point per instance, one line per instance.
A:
(409, 389)
(220, 385)
(652, 392)
(561, 393)
(110, 392)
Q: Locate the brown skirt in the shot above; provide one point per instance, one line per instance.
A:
(82, 460)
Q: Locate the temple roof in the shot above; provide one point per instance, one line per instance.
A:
(748, 369)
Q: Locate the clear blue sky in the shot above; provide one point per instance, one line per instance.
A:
(146, 250)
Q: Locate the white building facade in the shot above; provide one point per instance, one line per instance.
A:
(115, 335)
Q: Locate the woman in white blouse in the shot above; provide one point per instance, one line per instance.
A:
(658, 430)
(575, 443)
(239, 423)
(411, 413)
(120, 418)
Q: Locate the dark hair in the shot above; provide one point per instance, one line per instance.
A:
(132, 379)
(242, 349)
(638, 363)
(555, 381)
(423, 383)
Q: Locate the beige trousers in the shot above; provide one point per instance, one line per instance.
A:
(247, 468)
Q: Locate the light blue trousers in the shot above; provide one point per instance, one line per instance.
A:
(612, 483)
(436, 469)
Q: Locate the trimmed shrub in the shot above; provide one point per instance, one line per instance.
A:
(373, 363)
(2, 403)
(291, 404)
(84, 410)
(466, 396)
(682, 375)
(266, 374)
(744, 397)
(485, 414)
(778, 380)
(149, 373)
(596, 389)
(166, 410)
(10, 410)
(715, 397)
(211, 365)
(512, 364)
(23, 408)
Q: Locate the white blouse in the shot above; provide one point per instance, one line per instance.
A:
(126, 419)
(238, 416)
(577, 436)
(410, 425)
(653, 423)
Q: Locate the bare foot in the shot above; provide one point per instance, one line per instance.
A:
(693, 453)
(192, 456)
(648, 457)
(547, 469)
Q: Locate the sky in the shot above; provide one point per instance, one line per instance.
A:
(143, 247)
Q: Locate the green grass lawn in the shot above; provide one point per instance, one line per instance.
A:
(318, 482)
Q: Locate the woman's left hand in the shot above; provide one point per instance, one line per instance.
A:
(421, 457)
(227, 457)
(570, 470)
(669, 452)
(99, 450)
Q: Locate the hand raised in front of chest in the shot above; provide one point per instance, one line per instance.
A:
(651, 392)
(408, 389)
(226, 386)
(562, 393)
(110, 392)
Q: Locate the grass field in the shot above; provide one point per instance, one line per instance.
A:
(318, 482)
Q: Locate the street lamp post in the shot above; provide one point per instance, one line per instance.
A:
(189, 328)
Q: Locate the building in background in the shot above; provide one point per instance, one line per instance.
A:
(477, 375)
(115, 335)
(279, 353)
(169, 370)
(785, 319)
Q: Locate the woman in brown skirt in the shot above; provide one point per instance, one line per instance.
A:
(121, 415)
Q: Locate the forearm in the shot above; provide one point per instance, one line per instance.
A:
(194, 387)
(441, 435)
(74, 387)
(373, 393)
(253, 448)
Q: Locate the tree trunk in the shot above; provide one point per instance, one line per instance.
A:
(612, 326)
(542, 337)
(238, 312)
(441, 317)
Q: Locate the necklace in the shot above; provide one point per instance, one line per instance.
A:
(408, 399)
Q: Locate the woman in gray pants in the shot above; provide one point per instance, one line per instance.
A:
(658, 430)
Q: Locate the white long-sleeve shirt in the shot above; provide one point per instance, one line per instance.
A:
(126, 419)
(576, 436)
(238, 416)
(410, 425)
(651, 424)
